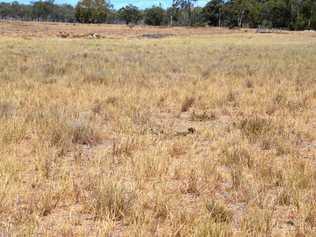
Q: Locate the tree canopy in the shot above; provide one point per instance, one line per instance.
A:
(130, 14)
(286, 14)
(154, 16)
(91, 11)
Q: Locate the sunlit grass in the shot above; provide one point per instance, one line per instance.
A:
(209, 135)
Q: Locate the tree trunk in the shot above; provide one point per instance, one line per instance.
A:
(219, 18)
(241, 16)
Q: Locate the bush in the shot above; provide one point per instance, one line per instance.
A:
(154, 16)
(91, 11)
(130, 14)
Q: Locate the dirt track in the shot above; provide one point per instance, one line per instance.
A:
(69, 30)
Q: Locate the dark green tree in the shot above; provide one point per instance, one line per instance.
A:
(184, 11)
(154, 16)
(287, 14)
(308, 13)
(43, 10)
(213, 12)
(91, 11)
(130, 14)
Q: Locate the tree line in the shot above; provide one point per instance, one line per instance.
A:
(38, 11)
(286, 14)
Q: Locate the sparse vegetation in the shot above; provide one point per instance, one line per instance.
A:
(110, 200)
(218, 212)
(206, 132)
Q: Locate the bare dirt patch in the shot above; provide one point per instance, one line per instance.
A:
(69, 30)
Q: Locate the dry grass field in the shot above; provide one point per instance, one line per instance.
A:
(205, 132)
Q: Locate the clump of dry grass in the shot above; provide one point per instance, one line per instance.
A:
(177, 150)
(52, 68)
(109, 200)
(187, 104)
(249, 83)
(57, 130)
(124, 147)
(47, 202)
(191, 185)
(7, 109)
(258, 221)
(97, 77)
(218, 212)
(84, 134)
(255, 127)
(237, 156)
(3, 192)
(13, 131)
(208, 228)
(286, 197)
(203, 116)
